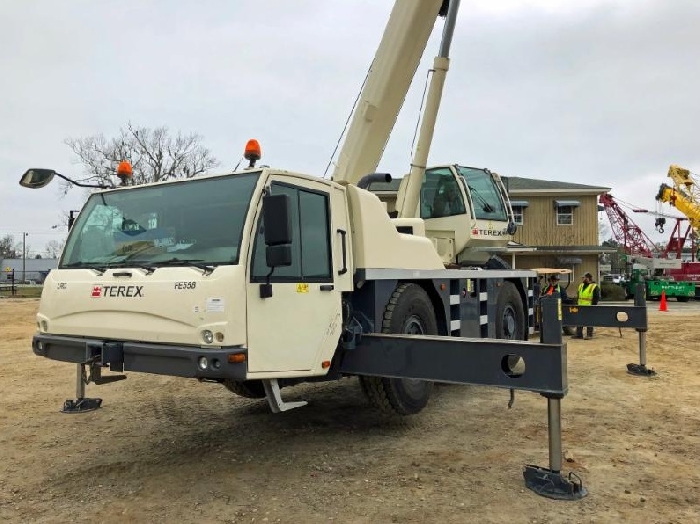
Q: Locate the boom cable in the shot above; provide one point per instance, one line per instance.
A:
(420, 112)
(345, 128)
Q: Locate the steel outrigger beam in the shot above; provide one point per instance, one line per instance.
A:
(531, 366)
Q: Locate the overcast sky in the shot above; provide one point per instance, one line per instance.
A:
(600, 92)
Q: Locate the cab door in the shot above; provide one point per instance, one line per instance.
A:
(299, 326)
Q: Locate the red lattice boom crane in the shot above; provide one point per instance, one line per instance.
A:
(628, 234)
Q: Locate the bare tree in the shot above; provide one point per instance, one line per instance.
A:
(154, 155)
(53, 248)
(9, 248)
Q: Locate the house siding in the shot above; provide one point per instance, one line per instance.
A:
(540, 222)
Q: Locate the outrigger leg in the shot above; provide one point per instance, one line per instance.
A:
(549, 482)
(641, 368)
(81, 404)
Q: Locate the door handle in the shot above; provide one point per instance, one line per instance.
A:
(327, 287)
(344, 270)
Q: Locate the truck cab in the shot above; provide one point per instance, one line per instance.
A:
(178, 275)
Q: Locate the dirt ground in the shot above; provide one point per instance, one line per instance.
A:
(174, 450)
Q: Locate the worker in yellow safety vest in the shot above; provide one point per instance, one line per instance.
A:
(588, 295)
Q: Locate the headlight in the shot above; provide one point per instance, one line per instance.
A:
(207, 336)
(203, 363)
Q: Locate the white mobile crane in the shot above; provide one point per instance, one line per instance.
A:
(264, 278)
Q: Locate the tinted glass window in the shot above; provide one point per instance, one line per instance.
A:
(260, 268)
(311, 256)
(486, 197)
(196, 220)
(315, 248)
(440, 195)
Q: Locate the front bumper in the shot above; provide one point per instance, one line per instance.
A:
(160, 359)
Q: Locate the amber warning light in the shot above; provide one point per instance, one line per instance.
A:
(124, 172)
(252, 152)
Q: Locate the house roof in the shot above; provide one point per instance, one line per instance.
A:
(514, 185)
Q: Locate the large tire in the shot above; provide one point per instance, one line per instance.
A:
(409, 311)
(510, 313)
(246, 388)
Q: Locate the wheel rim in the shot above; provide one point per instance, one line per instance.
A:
(413, 326)
(509, 323)
(413, 387)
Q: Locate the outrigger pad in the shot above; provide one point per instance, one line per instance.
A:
(552, 484)
(81, 405)
(640, 370)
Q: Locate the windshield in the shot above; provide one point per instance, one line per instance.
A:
(485, 195)
(193, 221)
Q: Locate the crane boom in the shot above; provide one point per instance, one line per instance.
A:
(626, 232)
(405, 37)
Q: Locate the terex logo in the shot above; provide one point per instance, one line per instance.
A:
(117, 291)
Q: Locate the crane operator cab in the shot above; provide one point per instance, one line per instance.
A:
(466, 212)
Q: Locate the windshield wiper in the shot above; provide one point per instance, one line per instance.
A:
(194, 262)
(485, 206)
(100, 268)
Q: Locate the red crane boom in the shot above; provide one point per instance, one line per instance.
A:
(628, 234)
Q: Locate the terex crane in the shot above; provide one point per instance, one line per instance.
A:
(264, 278)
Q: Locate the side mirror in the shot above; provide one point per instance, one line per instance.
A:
(36, 178)
(278, 230)
(277, 220)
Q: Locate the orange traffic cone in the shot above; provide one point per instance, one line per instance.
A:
(662, 305)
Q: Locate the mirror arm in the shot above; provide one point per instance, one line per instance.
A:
(80, 184)
(266, 288)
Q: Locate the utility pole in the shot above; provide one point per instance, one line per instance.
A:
(24, 256)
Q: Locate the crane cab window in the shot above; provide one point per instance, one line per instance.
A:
(485, 195)
(311, 252)
(440, 195)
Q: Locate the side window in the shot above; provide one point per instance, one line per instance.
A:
(311, 253)
(565, 216)
(518, 212)
(315, 240)
(293, 272)
(440, 195)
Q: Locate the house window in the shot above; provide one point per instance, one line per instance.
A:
(565, 211)
(518, 210)
(518, 215)
(565, 216)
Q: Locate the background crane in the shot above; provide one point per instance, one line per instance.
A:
(684, 195)
(626, 232)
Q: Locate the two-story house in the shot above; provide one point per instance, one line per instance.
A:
(559, 220)
(557, 223)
